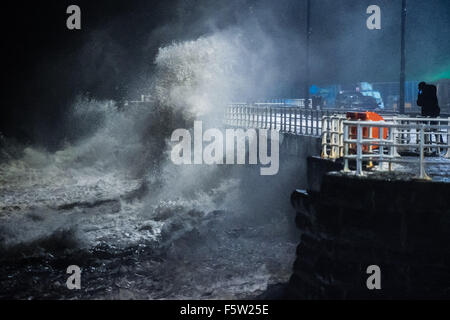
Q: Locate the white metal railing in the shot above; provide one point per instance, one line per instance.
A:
(355, 140)
(284, 117)
(332, 136)
(400, 139)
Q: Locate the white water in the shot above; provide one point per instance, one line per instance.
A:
(117, 188)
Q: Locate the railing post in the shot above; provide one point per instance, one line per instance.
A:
(281, 119)
(270, 117)
(319, 116)
(265, 117)
(290, 119)
(245, 111)
(227, 111)
(391, 150)
(317, 122)
(333, 139)
(245, 117)
(306, 122)
(438, 136)
(233, 116)
(301, 121)
(285, 119)
(447, 154)
(279, 125)
(251, 117)
(394, 141)
(324, 138)
(341, 137)
(313, 124)
(275, 118)
(423, 174)
(259, 119)
(359, 148)
(295, 119)
(346, 168)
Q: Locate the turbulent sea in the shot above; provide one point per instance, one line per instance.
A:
(138, 226)
(128, 248)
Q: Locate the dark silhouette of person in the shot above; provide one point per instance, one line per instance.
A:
(428, 101)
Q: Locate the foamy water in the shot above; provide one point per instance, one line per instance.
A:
(139, 226)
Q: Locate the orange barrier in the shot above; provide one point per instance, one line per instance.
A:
(366, 116)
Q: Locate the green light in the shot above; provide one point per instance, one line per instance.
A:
(443, 74)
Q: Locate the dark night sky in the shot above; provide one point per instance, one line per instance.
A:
(45, 65)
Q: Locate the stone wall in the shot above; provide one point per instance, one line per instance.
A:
(401, 225)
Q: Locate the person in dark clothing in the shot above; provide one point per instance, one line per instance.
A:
(428, 101)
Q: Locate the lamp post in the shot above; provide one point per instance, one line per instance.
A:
(308, 38)
(403, 60)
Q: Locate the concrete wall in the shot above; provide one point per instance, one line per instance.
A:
(403, 226)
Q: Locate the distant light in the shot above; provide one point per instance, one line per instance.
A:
(314, 89)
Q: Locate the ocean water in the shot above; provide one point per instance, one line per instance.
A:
(137, 225)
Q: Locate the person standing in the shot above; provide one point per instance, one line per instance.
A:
(428, 101)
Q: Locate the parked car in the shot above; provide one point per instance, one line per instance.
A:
(352, 100)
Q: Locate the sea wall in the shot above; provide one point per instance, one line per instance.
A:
(396, 223)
